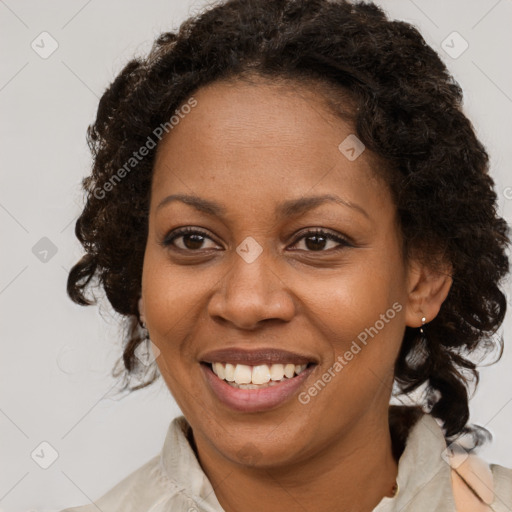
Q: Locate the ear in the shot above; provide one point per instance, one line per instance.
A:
(141, 310)
(427, 290)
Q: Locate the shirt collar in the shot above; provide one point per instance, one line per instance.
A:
(424, 478)
(181, 466)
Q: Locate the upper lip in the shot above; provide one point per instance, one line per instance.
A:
(253, 357)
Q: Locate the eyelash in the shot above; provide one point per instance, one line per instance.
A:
(168, 240)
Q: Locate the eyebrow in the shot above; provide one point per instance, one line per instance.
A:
(292, 207)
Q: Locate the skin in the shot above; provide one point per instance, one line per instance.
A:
(250, 146)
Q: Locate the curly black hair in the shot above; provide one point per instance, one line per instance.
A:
(405, 107)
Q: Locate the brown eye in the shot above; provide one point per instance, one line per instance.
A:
(317, 240)
(191, 239)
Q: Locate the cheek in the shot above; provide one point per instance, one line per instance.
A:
(361, 327)
(359, 310)
(173, 297)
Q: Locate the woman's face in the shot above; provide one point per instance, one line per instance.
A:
(251, 288)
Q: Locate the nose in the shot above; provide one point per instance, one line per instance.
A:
(251, 293)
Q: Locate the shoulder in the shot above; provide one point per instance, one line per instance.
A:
(172, 480)
(429, 470)
(479, 486)
(502, 478)
(134, 492)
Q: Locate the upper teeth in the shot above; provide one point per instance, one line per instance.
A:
(261, 374)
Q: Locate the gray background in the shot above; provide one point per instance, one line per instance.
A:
(56, 357)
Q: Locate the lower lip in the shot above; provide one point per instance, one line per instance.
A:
(254, 400)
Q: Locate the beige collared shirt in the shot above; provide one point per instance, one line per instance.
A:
(173, 481)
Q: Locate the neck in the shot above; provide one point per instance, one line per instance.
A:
(351, 475)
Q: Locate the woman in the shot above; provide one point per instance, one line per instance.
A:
(288, 201)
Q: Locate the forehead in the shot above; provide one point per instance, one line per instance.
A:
(277, 139)
(259, 107)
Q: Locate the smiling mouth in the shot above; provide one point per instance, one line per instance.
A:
(242, 376)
